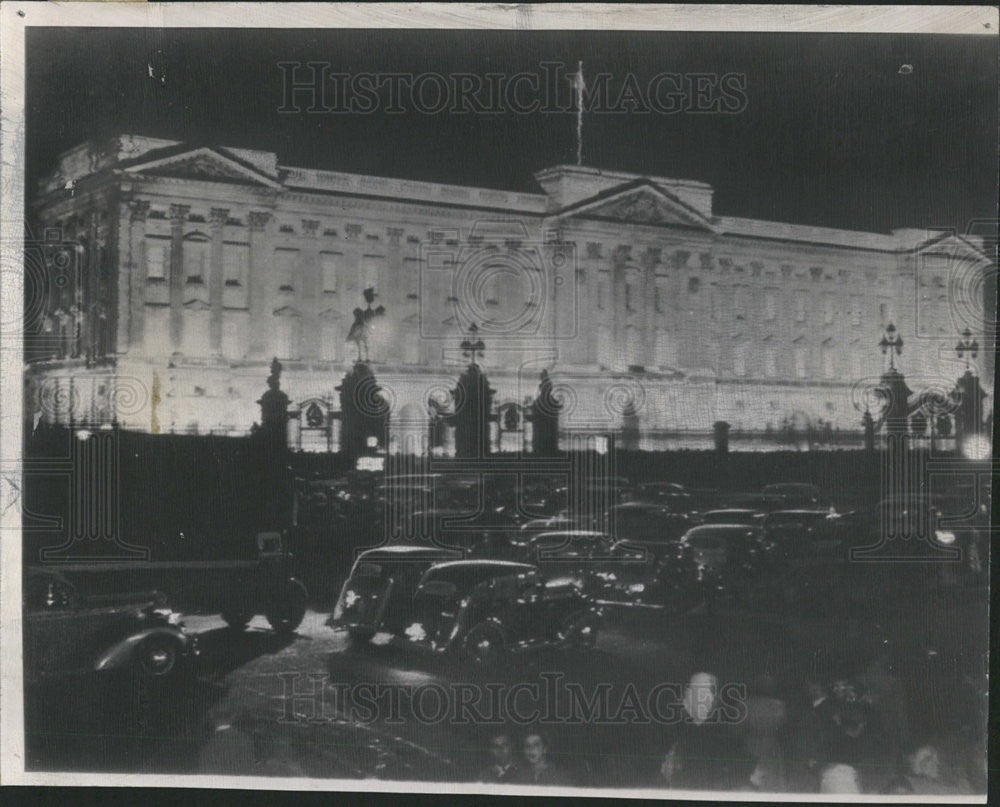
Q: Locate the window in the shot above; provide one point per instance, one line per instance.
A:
(770, 305)
(739, 302)
(829, 370)
(770, 363)
(666, 353)
(800, 362)
(739, 360)
(286, 261)
(657, 300)
(234, 336)
(885, 312)
(411, 278)
(235, 259)
(329, 337)
(286, 342)
(694, 284)
(157, 330)
(371, 271)
(196, 259)
(330, 263)
(602, 292)
(829, 309)
(800, 306)
(156, 258)
(628, 297)
(856, 309)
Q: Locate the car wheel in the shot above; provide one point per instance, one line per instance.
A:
(358, 636)
(581, 633)
(483, 645)
(157, 658)
(285, 607)
(237, 617)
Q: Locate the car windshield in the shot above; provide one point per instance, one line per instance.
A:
(438, 588)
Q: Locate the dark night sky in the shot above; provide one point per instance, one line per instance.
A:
(832, 134)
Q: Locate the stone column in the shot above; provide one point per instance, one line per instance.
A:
(219, 216)
(650, 260)
(395, 298)
(308, 290)
(589, 315)
(258, 290)
(178, 215)
(618, 275)
(131, 327)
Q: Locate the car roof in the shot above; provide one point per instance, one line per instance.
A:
(389, 552)
(457, 569)
(572, 534)
(702, 528)
(748, 510)
(799, 485)
(799, 512)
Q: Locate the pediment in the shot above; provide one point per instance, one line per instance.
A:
(287, 311)
(197, 304)
(640, 202)
(954, 247)
(206, 165)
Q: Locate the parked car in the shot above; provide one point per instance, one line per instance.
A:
(648, 523)
(806, 533)
(484, 609)
(657, 572)
(797, 495)
(730, 556)
(732, 515)
(567, 551)
(760, 502)
(671, 494)
(378, 592)
(68, 634)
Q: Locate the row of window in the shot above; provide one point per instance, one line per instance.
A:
(721, 304)
(236, 263)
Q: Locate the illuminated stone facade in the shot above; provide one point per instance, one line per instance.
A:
(192, 267)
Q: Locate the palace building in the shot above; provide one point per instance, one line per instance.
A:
(167, 276)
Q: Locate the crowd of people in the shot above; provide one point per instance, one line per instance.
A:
(839, 734)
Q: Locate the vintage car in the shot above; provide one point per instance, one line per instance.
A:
(484, 609)
(566, 552)
(67, 634)
(805, 533)
(759, 502)
(728, 547)
(732, 515)
(797, 495)
(378, 592)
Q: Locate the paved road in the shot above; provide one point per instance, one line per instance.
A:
(239, 716)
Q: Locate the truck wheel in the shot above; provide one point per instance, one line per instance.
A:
(286, 606)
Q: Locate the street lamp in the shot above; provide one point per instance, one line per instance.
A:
(470, 348)
(967, 348)
(892, 343)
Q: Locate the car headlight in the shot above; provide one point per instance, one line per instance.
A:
(416, 632)
(350, 597)
(636, 588)
(168, 616)
(946, 537)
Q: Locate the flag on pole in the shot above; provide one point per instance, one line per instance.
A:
(579, 86)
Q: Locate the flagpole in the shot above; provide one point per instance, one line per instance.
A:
(579, 113)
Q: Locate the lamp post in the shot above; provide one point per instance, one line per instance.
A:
(472, 346)
(968, 349)
(891, 344)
